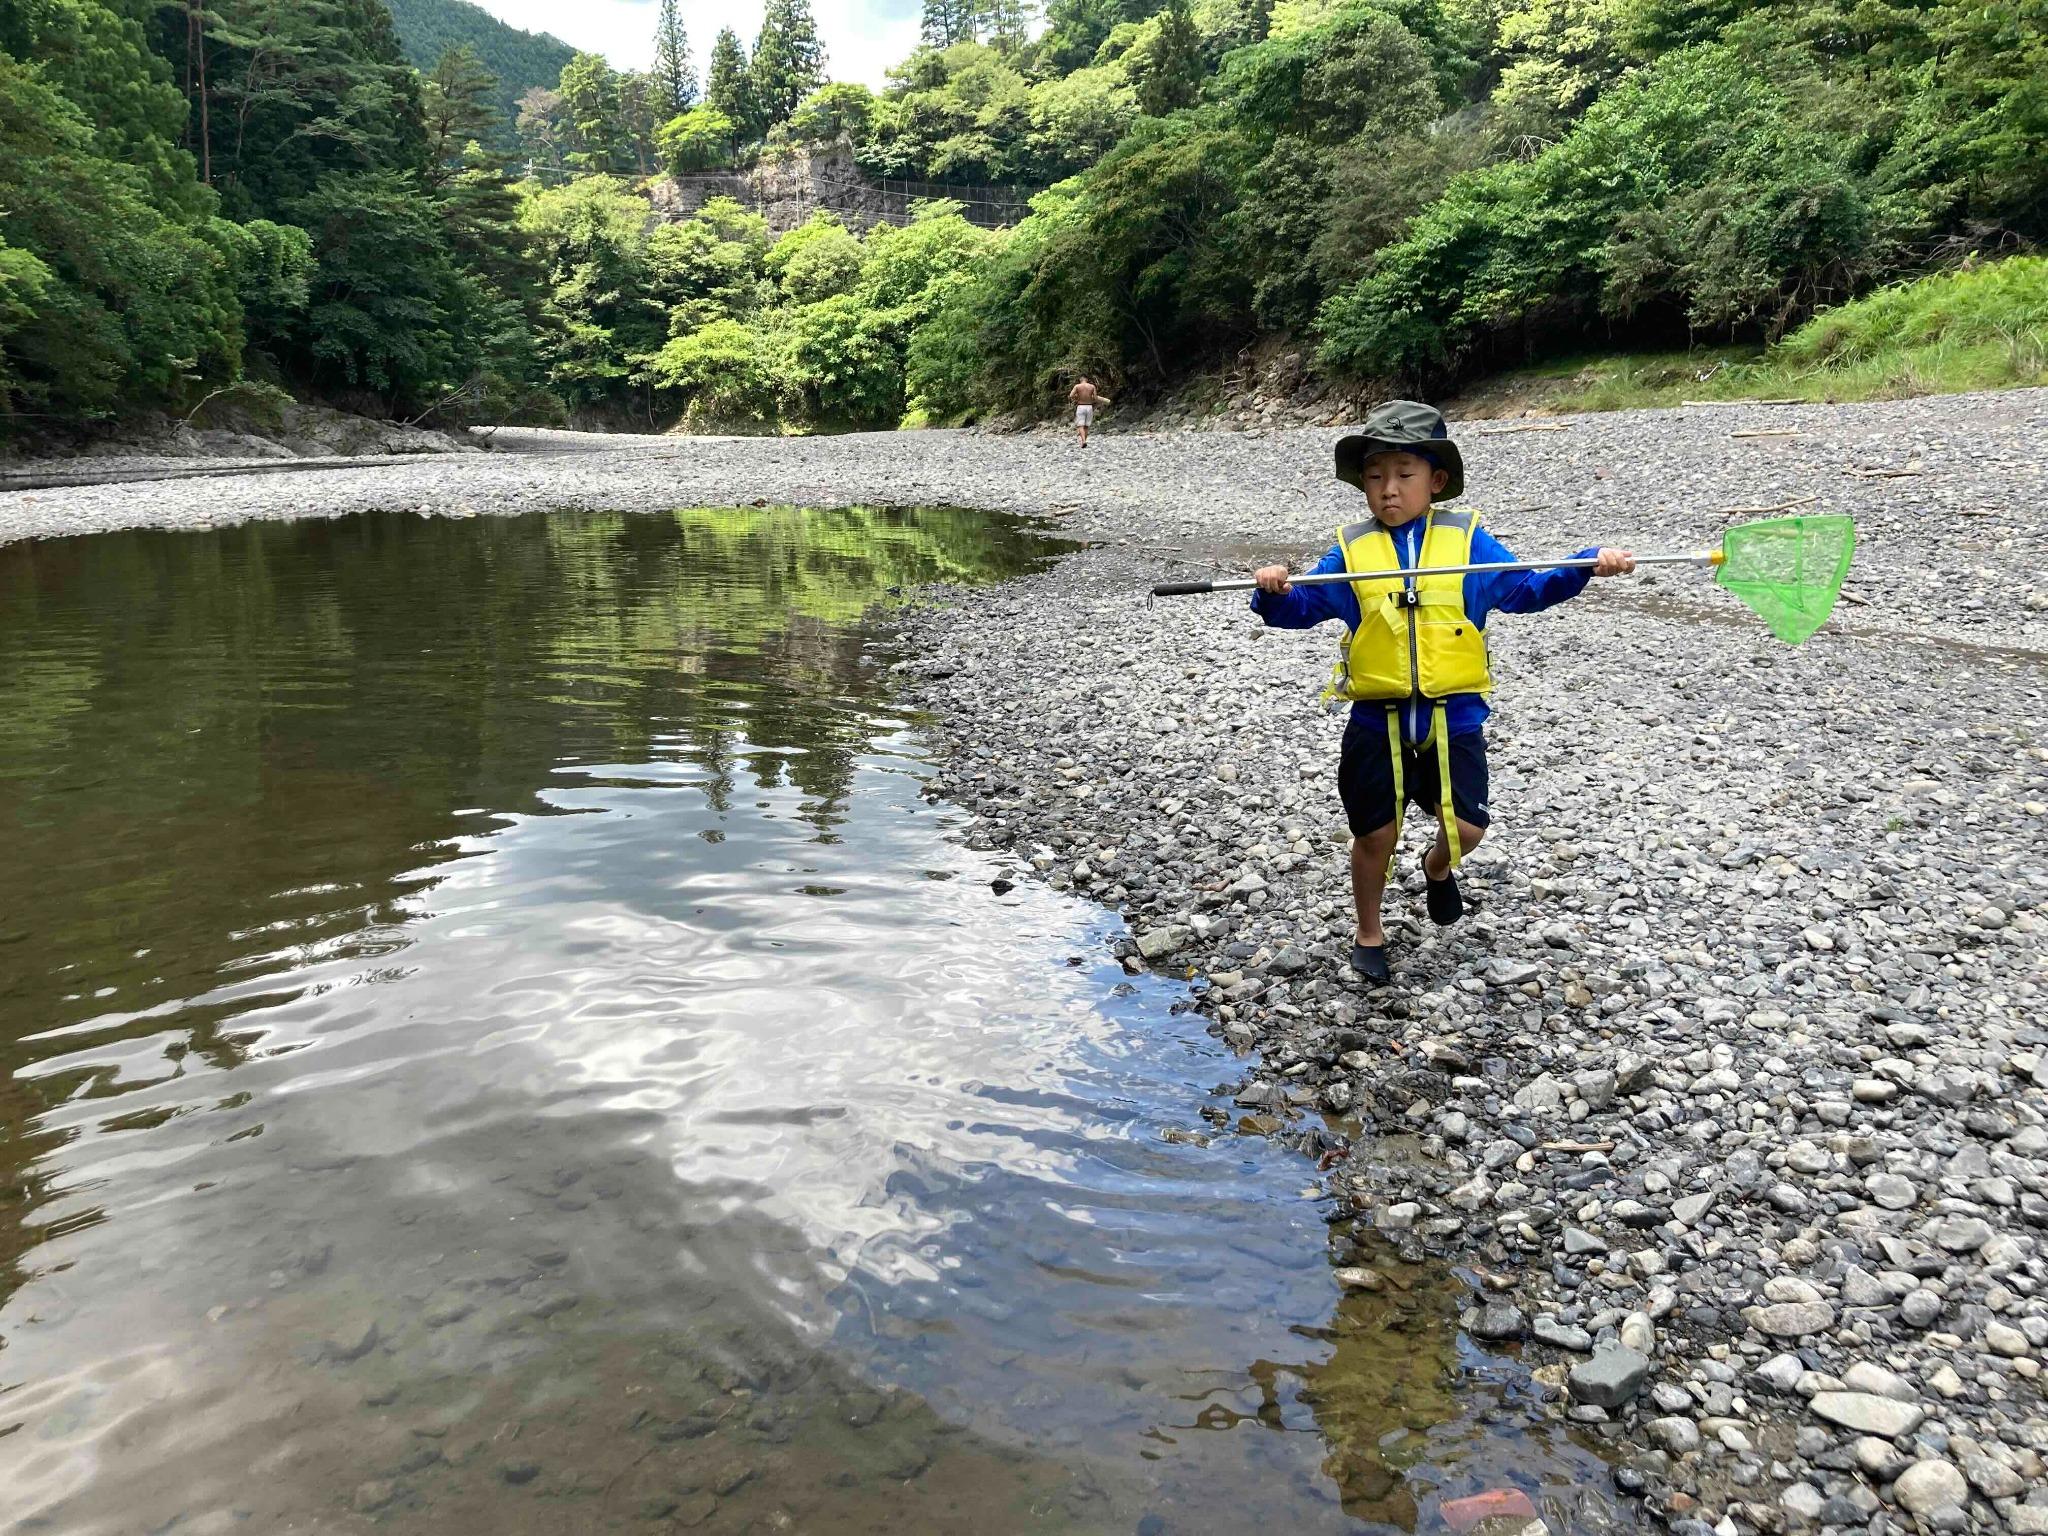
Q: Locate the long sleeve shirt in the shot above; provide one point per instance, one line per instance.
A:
(1486, 592)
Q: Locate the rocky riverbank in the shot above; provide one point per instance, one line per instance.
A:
(1733, 1092)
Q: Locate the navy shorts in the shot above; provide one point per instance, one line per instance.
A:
(1365, 776)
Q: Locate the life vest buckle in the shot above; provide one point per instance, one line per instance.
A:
(1406, 597)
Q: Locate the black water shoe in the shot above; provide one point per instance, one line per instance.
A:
(1446, 906)
(1370, 961)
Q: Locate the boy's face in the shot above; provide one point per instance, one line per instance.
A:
(1398, 486)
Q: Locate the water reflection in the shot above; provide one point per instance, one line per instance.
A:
(496, 1042)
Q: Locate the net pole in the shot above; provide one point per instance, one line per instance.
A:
(1578, 563)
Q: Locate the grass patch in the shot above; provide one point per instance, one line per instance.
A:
(1981, 327)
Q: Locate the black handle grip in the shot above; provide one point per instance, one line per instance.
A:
(1183, 588)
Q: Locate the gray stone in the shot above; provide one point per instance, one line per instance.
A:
(1675, 1436)
(1791, 1319)
(1802, 1503)
(1993, 1479)
(1497, 1321)
(1867, 1413)
(2005, 1340)
(1541, 1094)
(1929, 1485)
(1559, 1335)
(1962, 1234)
(1920, 1308)
(1611, 1378)
(1688, 1209)
(1868, 1376)
(1890, 1191)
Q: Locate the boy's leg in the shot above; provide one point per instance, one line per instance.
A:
(1468, 803)
(1437, 862)
(1369, 856)
(1365, 781)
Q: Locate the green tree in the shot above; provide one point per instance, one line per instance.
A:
(543, 128)
(729, 85)
(638, 103)
(839, 365)
(1165, 65)
(724, 371)
(590, 102)
(106, 299)
(697, 140)
(458, 101)
(589, 237)
(947, 22)
(1008, 23)
(674, 74)
(388, 303)
(789, 59)
(817, 260)
(843, 109)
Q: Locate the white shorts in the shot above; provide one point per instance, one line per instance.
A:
(1084, 415)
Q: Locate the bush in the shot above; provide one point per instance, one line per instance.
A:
(840, 366)
(696, 140)
(725, 371)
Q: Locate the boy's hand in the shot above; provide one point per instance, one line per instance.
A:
(1274, 578)
(1614, 562)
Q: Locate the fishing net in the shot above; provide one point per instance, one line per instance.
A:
(1789, 569)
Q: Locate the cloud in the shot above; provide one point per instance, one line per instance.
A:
(863, 38)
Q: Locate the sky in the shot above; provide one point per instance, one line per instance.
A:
(862, 37)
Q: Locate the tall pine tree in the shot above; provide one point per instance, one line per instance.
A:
(675, 76)
(789, 60)
(947, 22)
(590, 96)
(1008, 22)
(459, 100)
(729, 84)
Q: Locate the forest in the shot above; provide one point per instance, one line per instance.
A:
(265, 195)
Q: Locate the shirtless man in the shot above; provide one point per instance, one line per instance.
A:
(1085, 397)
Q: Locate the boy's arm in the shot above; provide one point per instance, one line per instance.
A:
(1302, 607)
(1518, 591)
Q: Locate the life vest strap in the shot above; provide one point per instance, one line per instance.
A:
(1447, 808)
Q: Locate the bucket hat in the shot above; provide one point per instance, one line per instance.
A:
(1403, 426)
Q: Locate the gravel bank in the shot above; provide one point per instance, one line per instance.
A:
(1735, 1088)
(1733, 1091)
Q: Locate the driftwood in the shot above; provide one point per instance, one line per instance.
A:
(1769, 432)
(1743, 402)
(1527, 426)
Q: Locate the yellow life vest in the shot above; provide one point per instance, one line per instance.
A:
(1413, 640)
(1413, 636)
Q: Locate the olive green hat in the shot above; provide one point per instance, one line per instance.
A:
(1404, 426)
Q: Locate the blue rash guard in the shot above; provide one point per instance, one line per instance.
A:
(1485, 592)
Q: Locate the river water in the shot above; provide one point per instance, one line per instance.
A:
(494, 1041)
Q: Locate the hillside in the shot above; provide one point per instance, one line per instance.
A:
(520, 60)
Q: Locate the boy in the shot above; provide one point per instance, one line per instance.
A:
(1414, 661)
(1086, 397)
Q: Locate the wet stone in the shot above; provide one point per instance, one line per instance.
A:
(1611, 1378)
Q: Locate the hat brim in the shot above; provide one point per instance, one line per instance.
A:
(1352, 452)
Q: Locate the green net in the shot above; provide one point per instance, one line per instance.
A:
(1789, 569)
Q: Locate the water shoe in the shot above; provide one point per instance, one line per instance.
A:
(1370, 961)
(1446, 905)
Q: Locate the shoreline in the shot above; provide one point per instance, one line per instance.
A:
(1766, 921)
